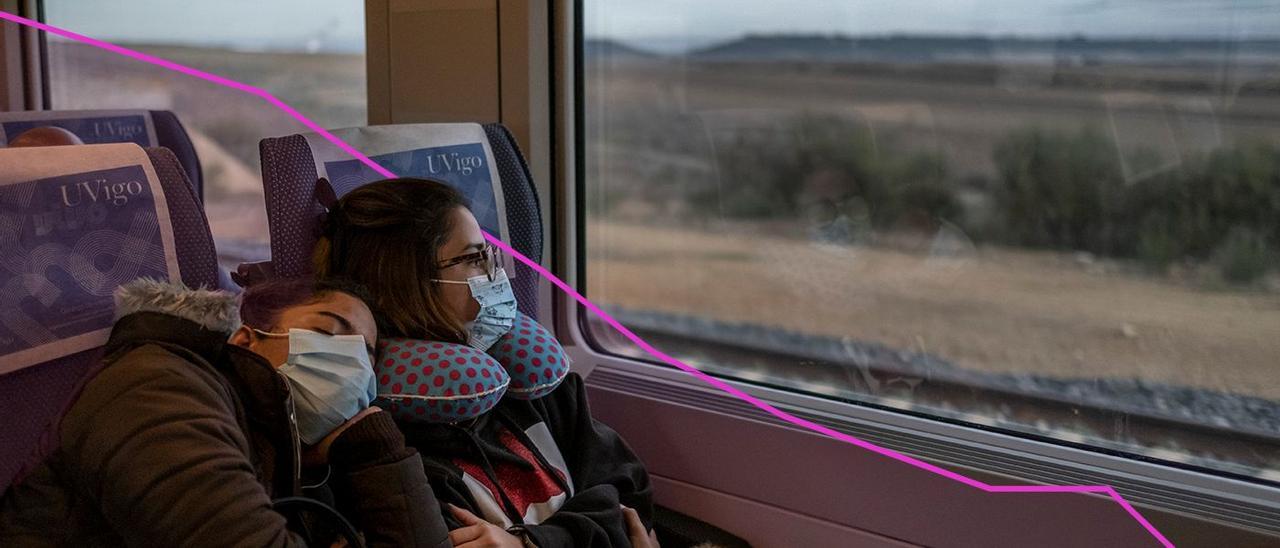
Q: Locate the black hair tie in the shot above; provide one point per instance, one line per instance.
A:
(324, 195)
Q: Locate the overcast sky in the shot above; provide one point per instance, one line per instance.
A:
(670, 24)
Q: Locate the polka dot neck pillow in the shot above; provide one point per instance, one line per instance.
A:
(437, 382)
(533, 358)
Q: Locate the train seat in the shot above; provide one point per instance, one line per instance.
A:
(145, 128)
(75, 223)
(459, 154)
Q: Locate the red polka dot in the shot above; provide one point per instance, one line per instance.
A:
(471, 372)
(428, 370)
(524, 332)
(540, 339)
(437, 345)
(389, 362)
(433, 356)
(412, 378)
(400, 370)
(533, 377)
(522, 353)
(417, 362)
(537, 349)
(454, 375)
(546, 374)
(479, 387)
(506, 348)
(484, 373)
(464, 389)
(519, 368)
(449, 352)
(551, 359)
(448, 393)
(475, 361)
(524, 342)
(405, 355)
(386, 379)
(537, 362)
(394, 349)
(395, 388)
(439, 381)
(423, 389)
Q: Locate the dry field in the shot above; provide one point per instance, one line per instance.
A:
(989, 310)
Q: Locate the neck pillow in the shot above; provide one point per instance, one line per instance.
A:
(532, 357)
(436, 382)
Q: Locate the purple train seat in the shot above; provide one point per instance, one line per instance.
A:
(289, 174)
(75, 223)
(145, 128)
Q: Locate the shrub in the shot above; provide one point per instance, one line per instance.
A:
(1243, 256)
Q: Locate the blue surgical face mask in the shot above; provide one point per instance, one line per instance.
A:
(330, 377)
(497, 308)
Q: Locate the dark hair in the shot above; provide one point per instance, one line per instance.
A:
(387, 235)
(262, 303)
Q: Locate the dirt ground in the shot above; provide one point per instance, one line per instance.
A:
(994, 310)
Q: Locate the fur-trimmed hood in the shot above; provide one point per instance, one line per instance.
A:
(214, 310)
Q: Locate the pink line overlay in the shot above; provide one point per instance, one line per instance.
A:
(781, 415)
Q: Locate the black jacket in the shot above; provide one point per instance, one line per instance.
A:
(184, 440)
(535, 450)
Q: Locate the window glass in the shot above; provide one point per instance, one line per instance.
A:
(1059, 218)
(308, 53)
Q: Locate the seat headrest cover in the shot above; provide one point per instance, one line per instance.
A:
(457, 154)
(75, 223)
(91, 126)
(436, 382)
(533, 357)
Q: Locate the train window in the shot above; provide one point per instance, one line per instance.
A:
(1054, 218)
(321, 42)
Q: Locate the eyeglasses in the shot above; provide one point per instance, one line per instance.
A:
(486, 258)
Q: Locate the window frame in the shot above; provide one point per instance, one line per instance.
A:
(1167, 493)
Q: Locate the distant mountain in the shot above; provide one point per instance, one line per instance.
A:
(921, 48)
(613, 49)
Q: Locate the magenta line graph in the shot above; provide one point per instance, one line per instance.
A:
(781, 415)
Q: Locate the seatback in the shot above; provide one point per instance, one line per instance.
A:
(145, 128)
(57, 273)
(291, 165)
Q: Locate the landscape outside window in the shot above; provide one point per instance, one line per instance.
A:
(308, 53)
(1059, 218)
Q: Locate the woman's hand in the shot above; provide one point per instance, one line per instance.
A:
(318, 454)
(478, 533)
(640, 538)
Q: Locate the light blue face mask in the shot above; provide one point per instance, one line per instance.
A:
(330, 377)
(497, 308)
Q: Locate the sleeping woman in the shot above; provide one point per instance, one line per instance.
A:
(506, 435)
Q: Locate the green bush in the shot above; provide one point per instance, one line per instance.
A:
(764, 174)
(1066, 191)
(1157, 244)
(1058, 190)
(1243, 257)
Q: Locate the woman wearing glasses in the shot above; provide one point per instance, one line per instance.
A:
(536, 472)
